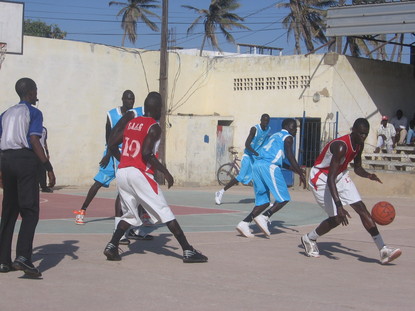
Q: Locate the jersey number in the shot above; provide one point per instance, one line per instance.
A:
(131, 148)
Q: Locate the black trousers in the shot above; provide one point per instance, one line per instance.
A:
(20, 196)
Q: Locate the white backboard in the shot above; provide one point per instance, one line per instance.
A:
(11, 26)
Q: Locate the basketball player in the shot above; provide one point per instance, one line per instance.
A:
(135, 179)
(108, 164)
(332, 188)
(258, 135)
(267, 177)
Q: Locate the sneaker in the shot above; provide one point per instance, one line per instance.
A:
(124, 241)
(80, 214)
(310, 246)
(243, 228)
(193, 256)
(24, 264)
(111, 251)
(218, 197)
(47, 189)
(387, 254)
(262, 222)
(134, 236)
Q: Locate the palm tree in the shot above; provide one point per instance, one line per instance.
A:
(132, 12)
(217, 16)
(306, 21)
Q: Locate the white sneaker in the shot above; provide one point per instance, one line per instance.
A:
(387, 254)
(243, 228)
(218, 197)
(310, 246)
(262, 222)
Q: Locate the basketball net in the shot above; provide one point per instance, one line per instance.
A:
(3, 50)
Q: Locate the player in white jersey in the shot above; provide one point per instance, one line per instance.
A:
(258, 135)
(268, 178)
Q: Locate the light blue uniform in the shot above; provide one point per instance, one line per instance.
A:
(245, 173)
(107, 174)
(267, 175)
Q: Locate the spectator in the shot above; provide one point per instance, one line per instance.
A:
(41, 169)
(386, 136)
(400, 122)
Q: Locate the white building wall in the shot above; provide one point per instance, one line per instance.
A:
(78, 82)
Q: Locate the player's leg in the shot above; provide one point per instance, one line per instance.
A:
(387, 254)
(261, 201)
(321, 192)
(244, 176)
(129, 203)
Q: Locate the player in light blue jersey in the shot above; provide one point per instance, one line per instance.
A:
(258, 135)
(267, 177)
(108, 164)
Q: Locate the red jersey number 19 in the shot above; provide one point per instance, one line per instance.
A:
(131, 148)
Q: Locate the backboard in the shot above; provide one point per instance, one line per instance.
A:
(11, 26)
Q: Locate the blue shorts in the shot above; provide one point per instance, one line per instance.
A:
(245, 173)
(106, 175)
(268, 179)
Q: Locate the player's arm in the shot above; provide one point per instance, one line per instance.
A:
(249, 139)
(106, 158)
(288, 147)
(360, 171)
(38, 150)
(149, 157)
(338, 149)
(115, 136)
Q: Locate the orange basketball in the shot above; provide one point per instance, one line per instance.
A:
(383, 213)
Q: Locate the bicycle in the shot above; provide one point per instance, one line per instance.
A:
(228, 171)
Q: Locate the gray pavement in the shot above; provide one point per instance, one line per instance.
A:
(242, 274)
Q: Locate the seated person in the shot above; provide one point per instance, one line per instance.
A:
(410, 137)
(386, 136)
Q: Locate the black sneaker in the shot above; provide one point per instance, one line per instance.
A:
(111, 251)
(22, 263)
(47, 189)
(193, 256)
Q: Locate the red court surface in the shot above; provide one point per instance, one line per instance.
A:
(60, 206)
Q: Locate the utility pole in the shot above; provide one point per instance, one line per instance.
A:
(163, 84)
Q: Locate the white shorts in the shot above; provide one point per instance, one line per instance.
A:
(134, 189)
(345, 187)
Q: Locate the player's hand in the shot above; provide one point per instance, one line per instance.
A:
(302, 179)
(374, 178)
(169, 179)
(105, 160)
(343, 214)
(52, 179)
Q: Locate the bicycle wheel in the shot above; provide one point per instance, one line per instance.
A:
(225, 173)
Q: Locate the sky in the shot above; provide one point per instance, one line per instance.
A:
(95, 21)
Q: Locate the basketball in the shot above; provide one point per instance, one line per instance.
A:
(383, 213)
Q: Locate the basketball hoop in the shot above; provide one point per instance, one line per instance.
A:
(3, 50)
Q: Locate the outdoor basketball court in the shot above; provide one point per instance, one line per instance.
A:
(242, 274)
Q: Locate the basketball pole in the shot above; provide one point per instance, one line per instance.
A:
(163, 87)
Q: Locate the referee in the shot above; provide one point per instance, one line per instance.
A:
(20, 132)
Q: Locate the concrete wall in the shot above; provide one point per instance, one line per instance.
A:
(78, 82)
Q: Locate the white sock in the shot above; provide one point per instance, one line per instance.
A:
(313, 235)
(222, 191)
(379, 241)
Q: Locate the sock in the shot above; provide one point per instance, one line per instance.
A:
(222, 190)
(118, 233)
(249, 218)
(313, 235)
(378, 241)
